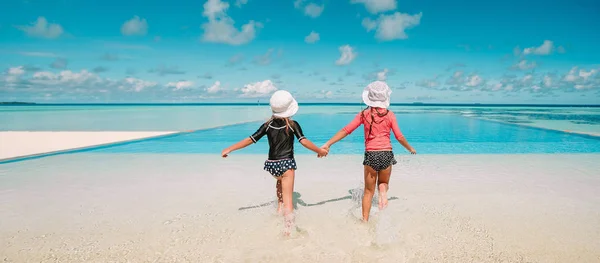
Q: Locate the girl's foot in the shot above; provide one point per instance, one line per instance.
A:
(383, 200)
(289, 224)
(280, 208)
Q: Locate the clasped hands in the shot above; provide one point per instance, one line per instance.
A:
(324, 151)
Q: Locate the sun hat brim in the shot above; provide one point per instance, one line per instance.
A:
(289, 112)
(376, 104)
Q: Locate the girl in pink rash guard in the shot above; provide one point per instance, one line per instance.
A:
(377, 121)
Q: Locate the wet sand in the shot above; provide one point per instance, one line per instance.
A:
(97, 207)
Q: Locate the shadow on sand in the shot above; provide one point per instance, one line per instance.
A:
(297, 201)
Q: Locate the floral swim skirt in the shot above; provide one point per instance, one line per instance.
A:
(278, 167)
(379, 160)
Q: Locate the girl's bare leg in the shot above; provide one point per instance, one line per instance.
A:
(383, 182)
(370, 180)
(279, 197)
(287, 186)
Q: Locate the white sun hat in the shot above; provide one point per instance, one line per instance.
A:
(282, 104)
(377, 94)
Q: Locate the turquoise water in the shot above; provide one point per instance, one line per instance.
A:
(429, 133)
(183, 118)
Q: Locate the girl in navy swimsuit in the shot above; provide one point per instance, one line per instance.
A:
(280, 131)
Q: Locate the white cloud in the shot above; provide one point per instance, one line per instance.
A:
(44, 75)
(392, 27)
(572, 76)
(65, 77)
(561, 50)
(258, 89)
(323, 94)
(583, 87)
(313, 37)
(220, 27)
(377, 6)
(347, 55)
(545, 49)
(135, 27)
(382, 75)
(527, 79)
(497, 87)
(428, 83)
(369, 24)
(136, 85)
(313, 10)
(547, 81)
(474, 81)
(586, 74)
(41, 28)
(524, 65)
(581, 78)
(456, 79)
(16, 71)
(574, 80)
(179, 85)
(14, 74)
(240, 3)
(215, 88)
(215, 8)
(80, 85)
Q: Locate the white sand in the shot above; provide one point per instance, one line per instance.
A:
(18, 143)
(91, 207)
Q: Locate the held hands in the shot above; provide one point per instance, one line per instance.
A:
(323, 151)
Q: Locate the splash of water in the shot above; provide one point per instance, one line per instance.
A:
(384, 229)
(384, 224)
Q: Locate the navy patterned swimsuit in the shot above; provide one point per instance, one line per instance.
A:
(281, 144)
(379, 160)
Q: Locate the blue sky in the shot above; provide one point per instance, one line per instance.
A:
(243, 50)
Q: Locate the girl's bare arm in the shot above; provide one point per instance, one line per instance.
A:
(404, 143)
(311, 146)
(239, 145)
(336, 138)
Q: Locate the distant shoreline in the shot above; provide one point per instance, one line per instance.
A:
(308, 104)
(16, 103)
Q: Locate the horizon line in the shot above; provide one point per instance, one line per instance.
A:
(303, 103)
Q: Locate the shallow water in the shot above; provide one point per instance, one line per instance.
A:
(183, 118)
(187, 207)
(428, 133)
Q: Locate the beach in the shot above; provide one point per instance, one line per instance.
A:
(147, 184)
(19, 144)
(203, 208)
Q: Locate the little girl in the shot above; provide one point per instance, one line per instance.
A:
(379, 158)
(280, 131)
